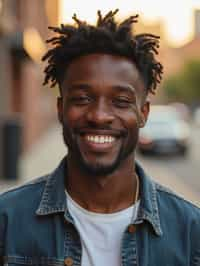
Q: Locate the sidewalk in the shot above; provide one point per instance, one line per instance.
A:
(48, 152)
(42, 159)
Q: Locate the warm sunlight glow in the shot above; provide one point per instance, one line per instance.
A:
(33, 44)
(176, 15)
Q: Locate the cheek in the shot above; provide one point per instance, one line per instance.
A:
(72, 116)
(129, 119)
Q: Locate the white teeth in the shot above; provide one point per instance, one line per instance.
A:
(100, 139)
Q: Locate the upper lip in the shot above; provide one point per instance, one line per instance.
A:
(114, 133)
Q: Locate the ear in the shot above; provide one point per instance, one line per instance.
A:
(60, 109)
(144, 113)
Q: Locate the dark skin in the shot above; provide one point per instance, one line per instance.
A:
(102, 106)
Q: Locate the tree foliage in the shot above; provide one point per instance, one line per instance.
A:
(185, 85)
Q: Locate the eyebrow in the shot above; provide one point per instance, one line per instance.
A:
(120, 88)
(125, 88)
(79, 86)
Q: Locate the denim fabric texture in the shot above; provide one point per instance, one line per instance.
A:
(36, 227)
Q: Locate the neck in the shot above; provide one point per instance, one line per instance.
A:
(103, 194)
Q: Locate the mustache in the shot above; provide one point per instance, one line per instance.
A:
(101, 130)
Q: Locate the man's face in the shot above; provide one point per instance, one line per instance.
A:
(101, 109)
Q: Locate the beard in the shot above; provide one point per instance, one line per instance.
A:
(97, 167)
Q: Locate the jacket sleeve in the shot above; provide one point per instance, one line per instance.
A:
(195, 242)
(1, 261)
(2, 236)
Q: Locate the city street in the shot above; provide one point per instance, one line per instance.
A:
(186, 170)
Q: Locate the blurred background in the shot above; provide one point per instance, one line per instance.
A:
(30, 137)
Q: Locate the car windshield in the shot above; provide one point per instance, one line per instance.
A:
(160, 117)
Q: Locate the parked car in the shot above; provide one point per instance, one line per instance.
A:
(183, 110)
(164, 132)
(197, 117)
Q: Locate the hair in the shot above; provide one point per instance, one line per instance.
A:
(108, 37)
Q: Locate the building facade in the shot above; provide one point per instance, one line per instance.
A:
(24, 102)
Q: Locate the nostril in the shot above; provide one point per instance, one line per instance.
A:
(100, 117)
(100, 113)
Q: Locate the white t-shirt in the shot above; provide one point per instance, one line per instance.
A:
(101, 234)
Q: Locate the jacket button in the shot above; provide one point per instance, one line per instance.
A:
(69, 261)
(132, 228)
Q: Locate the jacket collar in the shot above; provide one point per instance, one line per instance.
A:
(54, 197)
(148, 209)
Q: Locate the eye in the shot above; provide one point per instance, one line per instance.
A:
(122, 102)
(80, 100)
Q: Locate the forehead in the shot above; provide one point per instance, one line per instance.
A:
(105, 69)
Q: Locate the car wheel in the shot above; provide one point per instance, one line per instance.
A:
(183, 151)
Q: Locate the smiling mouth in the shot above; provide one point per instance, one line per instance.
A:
(100, 139)
(99, 142)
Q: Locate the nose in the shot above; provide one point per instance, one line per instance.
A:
(100, 113)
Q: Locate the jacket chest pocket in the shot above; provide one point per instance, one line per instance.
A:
(29, 261)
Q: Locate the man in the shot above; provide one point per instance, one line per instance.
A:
(99, 207)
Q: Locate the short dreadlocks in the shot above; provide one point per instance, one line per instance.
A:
(108, 37)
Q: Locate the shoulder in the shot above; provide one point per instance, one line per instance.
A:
(24, 195)
(175, 208)
(19, 202)
(170, 197)
(182, 216)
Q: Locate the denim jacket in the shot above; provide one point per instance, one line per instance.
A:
(36, 227)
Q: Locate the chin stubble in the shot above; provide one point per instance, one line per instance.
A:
(97, 169)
